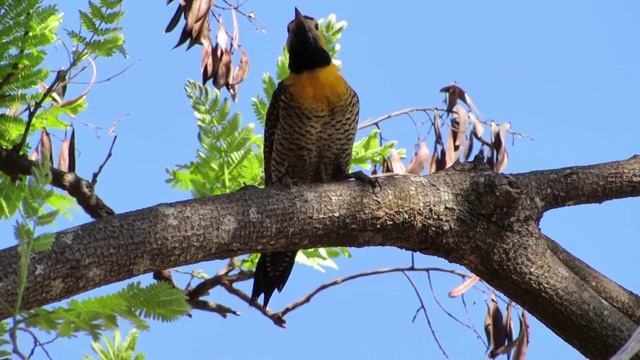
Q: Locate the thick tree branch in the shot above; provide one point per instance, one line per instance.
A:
(585, 184)
(622, 299)
(485, 221)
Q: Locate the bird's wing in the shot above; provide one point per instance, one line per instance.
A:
(270, 128)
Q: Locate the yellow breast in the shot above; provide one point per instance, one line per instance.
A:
(321, 88)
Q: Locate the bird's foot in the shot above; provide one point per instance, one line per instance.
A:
(362, 177)
(289, 182)
(246, 187)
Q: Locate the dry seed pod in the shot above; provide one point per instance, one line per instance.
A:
(175, 19)
(495, 143)
(225, 70)
(209, 62)
(72, 151)
(468, 149)
(46, 148)
(240, 73)
(396, 162)
(437, 129)
(508, 323)
(442, 163)
(433, 165)
(35, 155)
(420, 159)
(454, 93)
(502, 156)
(520, 352)
(451, 155)
(460, 121)
(502, 161)
(494, 132)
(61, 89)
(195, 13)
(478, 126)
(63, 156)
(470, 104)
(494, 327)
(462, 288)
(386, 166)
(235, 39)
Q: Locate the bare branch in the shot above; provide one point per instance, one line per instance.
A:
(339, 281)
(372, 122)
(275, 317)
(426, 314)
(94, 179)
(14, 165)
(469, 326)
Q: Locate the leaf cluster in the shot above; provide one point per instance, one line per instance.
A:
(93, 316)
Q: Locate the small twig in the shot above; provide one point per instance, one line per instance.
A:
(97, 128)
(470, 318)
(50, 341)
(275, 317)
(415, 316)
(339, 281)
(36, 107)
(110, 77)
(415, 124)
(372, 122)
(482, 140)
(13, 335)
(210, 306)
(86, 91)
(435, 297)
(37, 343)
(206, 285)
(426, 314)
(249, 16)
(94, 180)
(427, 110)
(32, 114)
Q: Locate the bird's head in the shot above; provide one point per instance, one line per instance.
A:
(305, 44)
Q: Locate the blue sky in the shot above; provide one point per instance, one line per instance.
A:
(565, 73)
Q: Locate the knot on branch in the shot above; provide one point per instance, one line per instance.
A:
(496, 195)
(83, 191)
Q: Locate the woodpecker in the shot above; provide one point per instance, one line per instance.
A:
(310, 128)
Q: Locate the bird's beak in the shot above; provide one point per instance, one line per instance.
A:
(299, 18)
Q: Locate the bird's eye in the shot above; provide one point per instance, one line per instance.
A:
(317, 28)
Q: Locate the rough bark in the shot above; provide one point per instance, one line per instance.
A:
(484, 221)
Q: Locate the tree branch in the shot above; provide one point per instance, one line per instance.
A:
(485, 221)
(16, 165)
(622, 299)
(585, 184)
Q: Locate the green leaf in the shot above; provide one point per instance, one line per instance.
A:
(47, 218)
(22, 231)
(43, 242)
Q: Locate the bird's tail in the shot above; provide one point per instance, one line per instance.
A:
(272, 271)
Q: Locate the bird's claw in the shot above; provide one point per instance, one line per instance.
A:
(362, 177)
(289, 182)
(246, 187)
